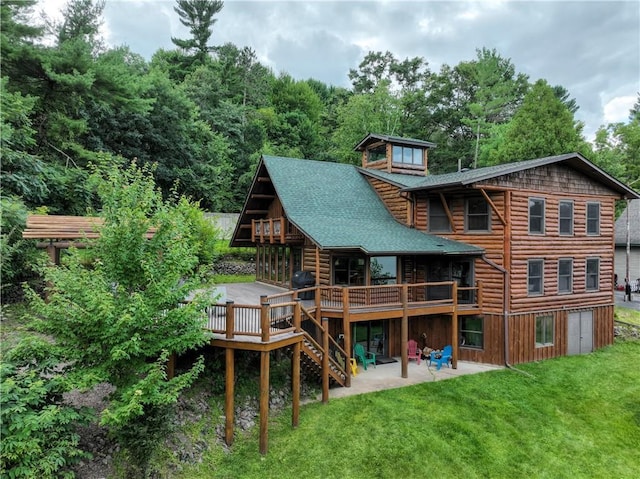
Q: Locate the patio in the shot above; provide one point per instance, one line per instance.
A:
(388, 376)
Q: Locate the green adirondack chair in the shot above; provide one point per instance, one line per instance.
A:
(365, 357)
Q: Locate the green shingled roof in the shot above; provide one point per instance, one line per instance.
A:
(335, 206)
(467, 177)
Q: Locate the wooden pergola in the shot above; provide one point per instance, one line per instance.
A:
(62, 232)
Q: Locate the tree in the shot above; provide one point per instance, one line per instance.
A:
(81, 21)
(117, 315)
(543, 126)
(617, 148)
(197, 15)
(379, 112)
(497, 94)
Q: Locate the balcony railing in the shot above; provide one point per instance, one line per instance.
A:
(274, 230)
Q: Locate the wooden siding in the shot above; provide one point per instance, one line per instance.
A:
(275, 209)
(551, 247)
(309, 263)
(390, 195)
(522, 333)
(492, 242)
(552, 179)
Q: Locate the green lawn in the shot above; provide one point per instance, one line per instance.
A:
(627, 315)
(572, 417)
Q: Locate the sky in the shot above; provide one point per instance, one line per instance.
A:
(592, 48)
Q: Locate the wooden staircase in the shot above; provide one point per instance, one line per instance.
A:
(312, 359)
(311, 363)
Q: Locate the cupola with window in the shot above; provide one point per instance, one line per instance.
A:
(394, 154)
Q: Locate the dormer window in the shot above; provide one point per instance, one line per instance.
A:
(377, 153)
(408, 156)
(394, 154)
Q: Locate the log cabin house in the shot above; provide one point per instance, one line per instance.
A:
(508, 264)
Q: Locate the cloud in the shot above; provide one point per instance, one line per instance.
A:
(617, 109)
(591, 48)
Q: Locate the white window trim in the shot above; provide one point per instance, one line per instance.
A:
(553, 336)
(586, 274)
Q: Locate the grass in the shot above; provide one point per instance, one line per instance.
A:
(627, 315)
(571, 417)
(232, 278)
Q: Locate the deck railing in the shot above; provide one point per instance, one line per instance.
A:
(390, 296)
(276, 314)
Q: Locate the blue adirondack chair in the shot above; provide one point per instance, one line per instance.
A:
(365, 357)
(445, 357)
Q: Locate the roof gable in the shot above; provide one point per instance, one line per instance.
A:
(573, 160)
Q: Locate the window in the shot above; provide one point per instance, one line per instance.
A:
(348, 271)
(408, 156)
(438, 219)
(383, 270)
(536, 215)
(478, 217)
(544, 331)
(565, 275)
(593, 274)
(534, 277)
(565, 217)
(471, 332)
(593, 218)
(376, 154)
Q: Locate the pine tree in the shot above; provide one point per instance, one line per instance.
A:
(198, 16)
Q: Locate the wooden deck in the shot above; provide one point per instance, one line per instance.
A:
(254, 313)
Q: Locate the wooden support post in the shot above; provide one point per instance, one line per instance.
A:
(404, 332)
(325, 360)
(264, 319)
(295, 366)
(454, 327)
(264, 402)
(229, 320)
(171, 366)
(54, 253)
(346, 327)
(295, 385)
(229, 382)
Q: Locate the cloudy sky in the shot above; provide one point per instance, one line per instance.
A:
(592, 48)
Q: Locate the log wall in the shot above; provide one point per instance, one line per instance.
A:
(390, 195)
(492, 242)
(551, 247)
(309, 263)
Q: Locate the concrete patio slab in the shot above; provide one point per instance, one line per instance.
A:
(389, 376)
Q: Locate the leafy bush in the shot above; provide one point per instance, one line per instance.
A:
(38, 431)
(16, 254)
(119, 319)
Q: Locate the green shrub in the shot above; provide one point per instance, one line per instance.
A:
(16, 254)
(38, 431)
